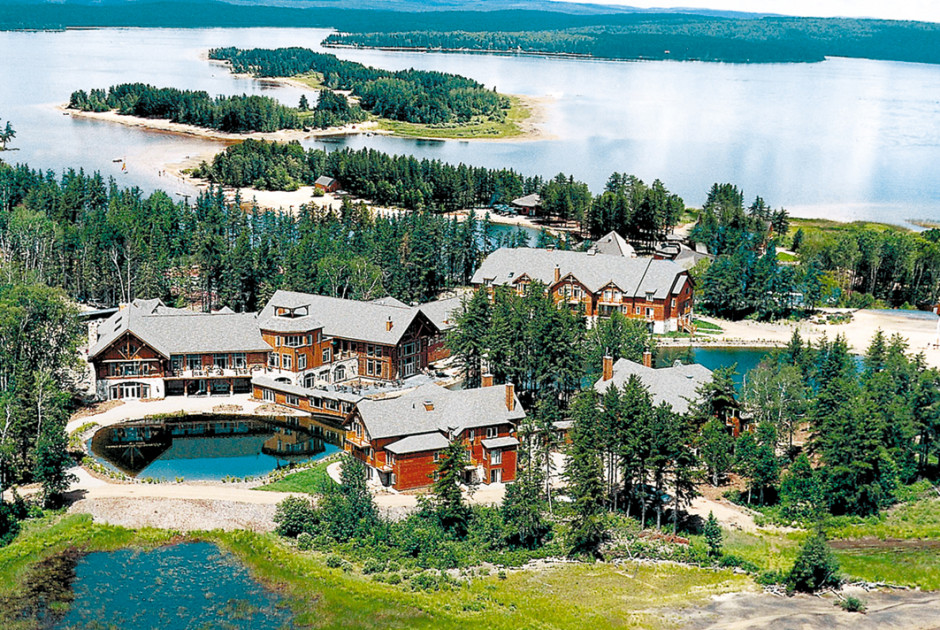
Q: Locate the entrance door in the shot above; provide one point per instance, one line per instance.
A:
(409, 366)
(130, 391)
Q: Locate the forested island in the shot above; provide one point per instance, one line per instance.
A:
(428, 100)
(233, 114)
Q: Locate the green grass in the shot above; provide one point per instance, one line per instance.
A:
(314, 480)
(907, 567)
(566, 596)
(785, 257)
(704, 326)
(916, 520)
(478, 128)
(313, 80)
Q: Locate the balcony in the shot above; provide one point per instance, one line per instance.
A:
(212, 372)
(359, 441)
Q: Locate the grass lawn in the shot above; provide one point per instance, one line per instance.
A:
(785, 257)
(908, 567)
(565, 596)
(509, 128)
(313, 480)
(707, 327)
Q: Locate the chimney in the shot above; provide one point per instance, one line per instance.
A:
(429, 405)
(510, 396)
(487, 380)
(388, 324)
(608, 368)
(648, 359)
(557, 273)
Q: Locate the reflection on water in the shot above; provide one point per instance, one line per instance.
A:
(746, 359)
(178, 587)
(211, 447)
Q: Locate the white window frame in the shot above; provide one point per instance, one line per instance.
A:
(290, 399)
(274, 360)
(302, 361)
(267, 395)
(496, 456)
(287, 362)
(492, 432)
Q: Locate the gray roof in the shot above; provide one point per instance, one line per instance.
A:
(323, 180)
(443, 313)
(306, 392)
(612, 244)
(634, 276)
(500, 442)
(418, 443)
(388, 300)
(349, 319)
(687, 257)
(675, 385)
(452, 410)
(529, 201)
(178, 331)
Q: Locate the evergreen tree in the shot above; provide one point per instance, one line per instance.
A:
(467, 340)
(713, 536)
(716, 447)
(800, 493)
(53, 462)
(452, 512)
(584, 478)
(815, 567)
(304, 103)
(522, 506)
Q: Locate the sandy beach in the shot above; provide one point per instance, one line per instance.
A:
(919, 328)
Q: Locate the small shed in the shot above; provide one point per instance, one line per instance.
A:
(528, 205)
(326, 184)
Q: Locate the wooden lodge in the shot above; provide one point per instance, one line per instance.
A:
(401, 439)
(659, 292)
(326, 184)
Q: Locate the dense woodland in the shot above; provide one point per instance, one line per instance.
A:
(685, 38)
(235, 114)
(616, 35)
(415, 96)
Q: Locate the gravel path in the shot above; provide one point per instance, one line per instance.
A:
(178, 514)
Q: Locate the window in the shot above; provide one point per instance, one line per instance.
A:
(373, 367)
(310, 380)
(638, 310)
(358, 427)
(287, 362)
(437, 456)
(492, 432)
(220, 361)
(294, 341)
(177, 361)
(470, 435)
(302, 362)
(496, 456)
(326, 355)
(193, 361)
(267, 395)
(239, 360)
(293, 400)
(374, 351)
(409, 348)
(496, 475)
(274, 360)
(390, 458)
(673, 302)
(339, 374)
(309, 340)
(649, 313)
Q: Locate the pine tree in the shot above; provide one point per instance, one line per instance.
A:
(522, 506)
(452, 512)
(304, 103)
(800, 493)
(815, 567)
(468, 339)
(584, 478)
(713, 536)
(716, 448)
(53, 462)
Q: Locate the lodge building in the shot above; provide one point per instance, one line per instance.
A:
(401, 439)
(659, 292)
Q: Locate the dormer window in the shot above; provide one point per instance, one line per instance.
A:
(291, 312)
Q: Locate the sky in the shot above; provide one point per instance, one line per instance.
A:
(924, 10)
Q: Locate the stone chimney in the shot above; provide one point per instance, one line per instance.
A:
(557, 273)
(487, 380)
(429, 405)
(608, 368)
(388, 324)
(648, 359)
(510, 396)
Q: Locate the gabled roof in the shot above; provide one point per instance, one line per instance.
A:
(529, 201)
(300, 390)
(349, 319)
(443, 313)
(323, 180)
(634, 276)
(178, 331)
(612, 244)
(418, 443)
(676, 385)
(450, 411)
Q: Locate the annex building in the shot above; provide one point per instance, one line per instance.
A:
(659, 292)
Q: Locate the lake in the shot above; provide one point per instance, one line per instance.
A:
(844, 139)
(177, 587)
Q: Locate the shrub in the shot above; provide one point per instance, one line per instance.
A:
(304, 541)
(770, 578)
(295, 515)
(373, 566)
(815, 567)
(852, 604)
(334, 561)
(501, 575)
(393, 578)
(733, 561)
(713, 536)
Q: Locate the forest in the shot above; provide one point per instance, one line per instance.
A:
(233, 114)
(685, 38)
(415, 96)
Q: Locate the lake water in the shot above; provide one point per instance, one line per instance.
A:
(209, 448)
(178, 587)
(744, 359)
(844, 139)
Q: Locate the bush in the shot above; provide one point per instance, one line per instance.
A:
(815, 567)
(334, 562)
(295, 515)
(393, 578)
(770, 578)
(373, 566)
(729, 560)
(852, 604)
(304, 541)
